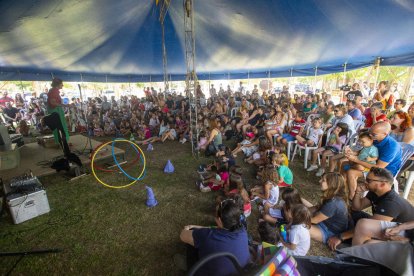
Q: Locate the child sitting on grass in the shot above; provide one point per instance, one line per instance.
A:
(260, 156)
(241, 191)
(279, 149)
(282, 213)
(202, 141)
(214, 182)
(268, 193)
(285, 176)
(98, 131)
(298, 236)
(246, 146)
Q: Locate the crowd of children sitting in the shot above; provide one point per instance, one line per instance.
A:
(266, 136)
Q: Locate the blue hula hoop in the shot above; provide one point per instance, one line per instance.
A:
(119, 166)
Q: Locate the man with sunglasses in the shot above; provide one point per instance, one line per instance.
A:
(388, 209)
(229, 236)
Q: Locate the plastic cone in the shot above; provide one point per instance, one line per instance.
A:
(151, 201)
(150, 147)
(169, 168)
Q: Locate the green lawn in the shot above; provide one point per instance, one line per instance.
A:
(111, 231)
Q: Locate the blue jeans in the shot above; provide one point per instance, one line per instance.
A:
(326, 233)
(288, 137)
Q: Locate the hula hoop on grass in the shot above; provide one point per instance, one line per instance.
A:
(108, 170)
(123, 186)
(119, 166)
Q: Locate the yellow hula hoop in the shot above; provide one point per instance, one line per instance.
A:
(107, 143)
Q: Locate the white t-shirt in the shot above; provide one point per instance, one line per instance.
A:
(299, 235)
(273, 196)
(314, 134)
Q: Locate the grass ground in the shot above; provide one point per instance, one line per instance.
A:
(111, 231)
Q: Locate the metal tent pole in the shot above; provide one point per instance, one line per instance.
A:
(377, 69)
(163, 12)
(343, 82)
(191, 77)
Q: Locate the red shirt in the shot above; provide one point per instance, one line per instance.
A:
(369, 121)
(296, 126)
(53, 94)
(5, 100)
(165, 109)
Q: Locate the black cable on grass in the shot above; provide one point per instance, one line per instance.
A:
(65, 221)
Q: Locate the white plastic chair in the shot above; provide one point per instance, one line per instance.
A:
(306, 148)
(310, 118)
(233, 111)
(408, 184)
(407, 153)
(349, 136)
(358, 124)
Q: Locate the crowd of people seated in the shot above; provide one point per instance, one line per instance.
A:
(356, 153)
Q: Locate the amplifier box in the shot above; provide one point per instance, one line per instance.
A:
(27, 206)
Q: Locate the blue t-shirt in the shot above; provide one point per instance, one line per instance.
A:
(355, 114)
(337, 212)
(389, 151)
(214, 240)
(371, 151)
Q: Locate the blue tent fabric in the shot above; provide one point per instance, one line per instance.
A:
(120, 41)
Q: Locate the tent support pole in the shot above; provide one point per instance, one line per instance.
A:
(248, 78)
(163, 12)
(407, 83)
(343, 83)
(209, 84)
(377, 70)
(191, 77)
(268, 81)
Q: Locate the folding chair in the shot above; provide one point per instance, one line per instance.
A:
(311, 117)
(349, 135)
(210, 257)
(358, 125)
(233, 111)
(408, 184)
(306, 148)
(407, 153)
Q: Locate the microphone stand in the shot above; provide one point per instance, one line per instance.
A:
(86, 121)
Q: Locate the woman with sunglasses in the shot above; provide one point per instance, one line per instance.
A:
(341, 116)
